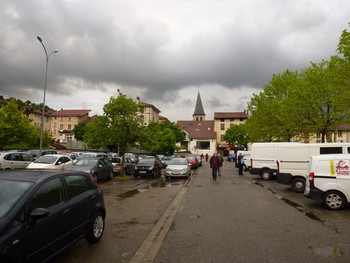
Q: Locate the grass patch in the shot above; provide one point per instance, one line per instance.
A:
(130, 193)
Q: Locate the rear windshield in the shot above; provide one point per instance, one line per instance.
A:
(116, 160)
(10, 193)
(86, 162)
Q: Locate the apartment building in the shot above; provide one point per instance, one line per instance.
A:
(223, 121)
(64, 121)
(150, 113)
(35, 118)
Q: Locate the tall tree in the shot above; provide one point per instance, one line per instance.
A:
(161, 137)
(118, 127)
(237, 135)
(14, 125)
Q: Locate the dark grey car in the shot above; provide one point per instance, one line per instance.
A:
(97, 167)
(43, 212)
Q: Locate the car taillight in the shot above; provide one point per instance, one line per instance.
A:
(94, 179)
(118, 164)
(311, 177)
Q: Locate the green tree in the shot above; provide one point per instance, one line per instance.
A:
(79, 131)
(161, 137)
(15, 127)
(271, 118)
(237, 135)
(321, 97)
(118, 127)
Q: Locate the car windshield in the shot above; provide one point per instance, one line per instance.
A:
(86, 155)
(167, 157)
(10, 192)
(46, 159)
(178, 162)
(191, 158)
(146, 161)
(86, 162)
(116, 160)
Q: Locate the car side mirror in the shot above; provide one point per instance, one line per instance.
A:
(38, 213)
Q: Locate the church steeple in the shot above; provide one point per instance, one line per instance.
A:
(199, 114)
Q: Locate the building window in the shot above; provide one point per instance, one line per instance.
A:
(203, 145)
(69, 118)
(61, 126)
(55, 118)
(232, 120)
(222, 120)
(318, 135)
(231, 124)
(222, 138)
(241, 119)
(69, 126)
(222, 126)
(340, 134)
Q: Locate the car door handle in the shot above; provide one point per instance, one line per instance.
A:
(93, 197)
(67, 211)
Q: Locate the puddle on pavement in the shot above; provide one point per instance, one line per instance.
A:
(298, 207)
(130, 193)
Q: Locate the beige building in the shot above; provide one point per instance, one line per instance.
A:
(223, 121)
(35, 118)
(341, 134)
(150, 113)
(64, 121)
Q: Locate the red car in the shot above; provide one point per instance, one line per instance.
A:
(193, 161)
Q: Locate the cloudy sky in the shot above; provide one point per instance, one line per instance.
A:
(163, 51)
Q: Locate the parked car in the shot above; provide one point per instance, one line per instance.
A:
(14, 160)
(36, 153)
(117, 162)
(192, 159)
(148, 167)
(166, 159)
(44, 212)
(92, 154)
(52, 162)
(328, 180)
(178, 167)
(132, 157)
(199, 158)
(97, 167)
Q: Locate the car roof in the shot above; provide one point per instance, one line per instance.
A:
(53, 155)
(32, 175)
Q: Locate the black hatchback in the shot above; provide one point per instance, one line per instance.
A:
(43, 212)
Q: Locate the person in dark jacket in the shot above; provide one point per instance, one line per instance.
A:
(206, 157)
(221, 160)
(214, 165)
(240, 161)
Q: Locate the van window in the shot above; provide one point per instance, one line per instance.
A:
(331, 150)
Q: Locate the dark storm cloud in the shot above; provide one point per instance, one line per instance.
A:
(162, 47)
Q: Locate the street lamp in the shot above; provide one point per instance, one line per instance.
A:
(43, 110)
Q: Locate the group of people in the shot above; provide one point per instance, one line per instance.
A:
(216, 162)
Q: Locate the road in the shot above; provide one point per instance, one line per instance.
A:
(235, 219)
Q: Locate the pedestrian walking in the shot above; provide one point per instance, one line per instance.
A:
(214, 165)
(206, 157)
(202, 156)
(240, 160)
(221, 160)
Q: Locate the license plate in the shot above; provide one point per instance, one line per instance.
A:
(142, 172)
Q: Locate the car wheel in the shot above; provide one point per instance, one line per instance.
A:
(96, 228)
(334, 200)
(111, 175)
(298, 185)
(266, 175)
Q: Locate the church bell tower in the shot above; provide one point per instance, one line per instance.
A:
(199, 114)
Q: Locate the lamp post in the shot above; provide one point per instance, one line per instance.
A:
(43, 110)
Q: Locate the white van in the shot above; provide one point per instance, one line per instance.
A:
(293, 161)
(263, 158)
(328, 180)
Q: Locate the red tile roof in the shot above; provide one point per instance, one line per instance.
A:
(149, 105)
(198, 129)
(70, 113)
(230, 115)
